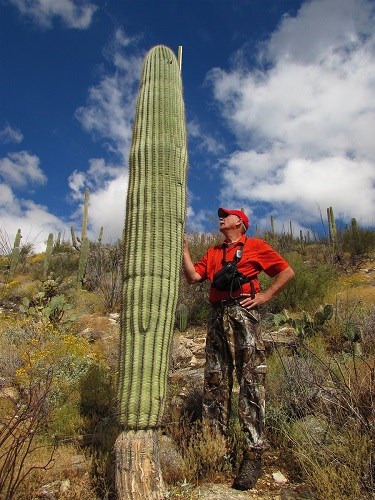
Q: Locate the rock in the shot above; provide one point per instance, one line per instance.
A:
(9, 393)
(285, 336)
(64, 486)
(49, 491)
(114, 318)
(77, 466)
(279, 478)
(171, 461)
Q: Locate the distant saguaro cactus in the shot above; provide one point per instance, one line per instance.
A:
(332, 230)
(15, 256)
(272, 225)
(83, 258)
(154, 226)
(76, 240)
(48, 254)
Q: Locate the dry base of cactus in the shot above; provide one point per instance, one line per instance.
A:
(138, 473)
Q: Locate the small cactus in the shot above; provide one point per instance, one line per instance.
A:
(182, 317)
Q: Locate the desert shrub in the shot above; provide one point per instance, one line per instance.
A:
(335, 468)
(309, 288)
(205, 455)
(326, 408)
(358, 242)
(104, 273)
(22, 424)
(10, 291)
(10, 361)
(63, 264)
(353, 325)
(87, 302)
(65, 420)
(97, 391)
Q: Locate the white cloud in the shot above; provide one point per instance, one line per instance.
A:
(73, 13)
(109, 112)
(304, 118)
(206, 141)
(109, 116)
(21, 169)
(107, 208)
(34, 220)
(10, 134)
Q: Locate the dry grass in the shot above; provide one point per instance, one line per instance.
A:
(70, 471)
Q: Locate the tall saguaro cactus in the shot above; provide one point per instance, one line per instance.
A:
(154, 226)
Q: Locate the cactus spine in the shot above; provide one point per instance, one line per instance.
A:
(15, 256)
(154, 226)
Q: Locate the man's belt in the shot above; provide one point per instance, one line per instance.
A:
(227, 303)
(232, 302)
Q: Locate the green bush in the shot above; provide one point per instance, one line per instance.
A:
(309, 288)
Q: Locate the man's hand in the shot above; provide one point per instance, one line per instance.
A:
(279, 283)
(249, 303)
(190, 274)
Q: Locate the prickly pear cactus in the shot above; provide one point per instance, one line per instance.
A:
(154, 226)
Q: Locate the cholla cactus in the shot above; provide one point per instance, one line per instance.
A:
(154, 226)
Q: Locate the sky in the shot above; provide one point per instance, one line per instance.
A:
(279, 98)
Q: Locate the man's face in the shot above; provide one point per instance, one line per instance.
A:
(229, 222)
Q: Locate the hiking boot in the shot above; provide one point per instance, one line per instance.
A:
(249, 473)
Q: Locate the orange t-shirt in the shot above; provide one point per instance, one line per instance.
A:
(257, 256)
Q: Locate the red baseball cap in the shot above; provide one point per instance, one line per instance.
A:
(223, 212)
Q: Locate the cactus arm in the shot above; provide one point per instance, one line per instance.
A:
(74, 239)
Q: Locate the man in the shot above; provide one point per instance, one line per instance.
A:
(233, 338)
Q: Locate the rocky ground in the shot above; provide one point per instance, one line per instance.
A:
(187, 372)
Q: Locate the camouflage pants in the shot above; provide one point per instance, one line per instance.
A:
(234, 345)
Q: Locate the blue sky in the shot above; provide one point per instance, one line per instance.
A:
(279, 96)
